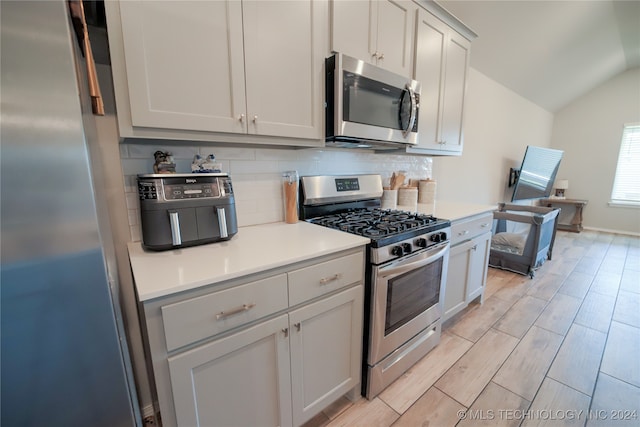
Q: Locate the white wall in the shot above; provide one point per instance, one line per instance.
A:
(499, 124)
(589, 130)
(256, 172)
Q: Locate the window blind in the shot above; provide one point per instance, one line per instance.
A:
(626, 185)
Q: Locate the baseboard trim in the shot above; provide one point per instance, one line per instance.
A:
(606, 230)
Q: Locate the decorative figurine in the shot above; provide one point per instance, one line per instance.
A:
(196, 164)
(208, 165)
(164, 162)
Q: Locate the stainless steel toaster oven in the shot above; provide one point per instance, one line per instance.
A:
(180, 210)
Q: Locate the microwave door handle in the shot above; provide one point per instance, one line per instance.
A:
(426, 258)
(414, 108)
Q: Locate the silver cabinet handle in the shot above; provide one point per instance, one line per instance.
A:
(255, 119)
(222, 222)
(243, 307)
(241, 118)
(374, 55)
(485, 225)
(326, 280)
(463, 233)
(176, 239)
(381, 56)
(286, 332)
(297, 325)
(474, 248)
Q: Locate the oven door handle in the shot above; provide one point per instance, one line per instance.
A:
(406, 265)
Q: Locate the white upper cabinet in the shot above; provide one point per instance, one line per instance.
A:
(185, 65)
(442, 64)
(182, 68)
(283, 67)
(376, 31)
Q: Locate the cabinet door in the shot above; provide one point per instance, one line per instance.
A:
(353, 28)
(479, 263)
(458, 275)
(326, 351)
(396, 20)
(184, 64)
(376, 31)
(284, 59)
(240, 380)
(442, 63)
(431, 44)
(455, 82)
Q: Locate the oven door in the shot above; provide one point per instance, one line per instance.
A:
(406, 299)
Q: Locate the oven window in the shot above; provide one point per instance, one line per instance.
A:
(411, 294)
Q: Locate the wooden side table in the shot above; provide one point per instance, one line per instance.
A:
(570, 218)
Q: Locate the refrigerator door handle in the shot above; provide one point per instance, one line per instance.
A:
(176, 239)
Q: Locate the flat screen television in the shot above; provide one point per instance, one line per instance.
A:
(537, 173)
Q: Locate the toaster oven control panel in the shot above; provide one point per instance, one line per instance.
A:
(147, 190)
(190, 191)
(184, 188)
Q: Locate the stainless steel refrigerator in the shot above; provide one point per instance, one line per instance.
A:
(64, 356)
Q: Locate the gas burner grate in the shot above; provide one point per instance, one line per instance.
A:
(375, 223)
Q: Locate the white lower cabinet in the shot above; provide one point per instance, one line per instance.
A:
(264, 350)
(241, 380)
(479, 263)
(457, 277)
(468, 262)
(325, 337)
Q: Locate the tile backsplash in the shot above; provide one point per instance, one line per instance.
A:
(256, 173)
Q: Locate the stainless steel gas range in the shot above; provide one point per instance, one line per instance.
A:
(406, 269)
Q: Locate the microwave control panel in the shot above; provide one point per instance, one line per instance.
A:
(184, 188)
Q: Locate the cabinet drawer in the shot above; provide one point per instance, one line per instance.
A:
(192, 320)
(468, 228)
(325, 277)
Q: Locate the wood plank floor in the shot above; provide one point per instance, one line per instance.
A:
(560, 349)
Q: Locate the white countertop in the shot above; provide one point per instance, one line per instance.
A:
(252, 250)
(458, 210)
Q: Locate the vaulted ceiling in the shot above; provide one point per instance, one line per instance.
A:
(551, 52)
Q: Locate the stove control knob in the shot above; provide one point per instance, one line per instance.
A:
(406, 248)
(421, 242)
(443, 236)
(435, 238)
(396, 250)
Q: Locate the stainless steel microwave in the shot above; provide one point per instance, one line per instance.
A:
(369, 107)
